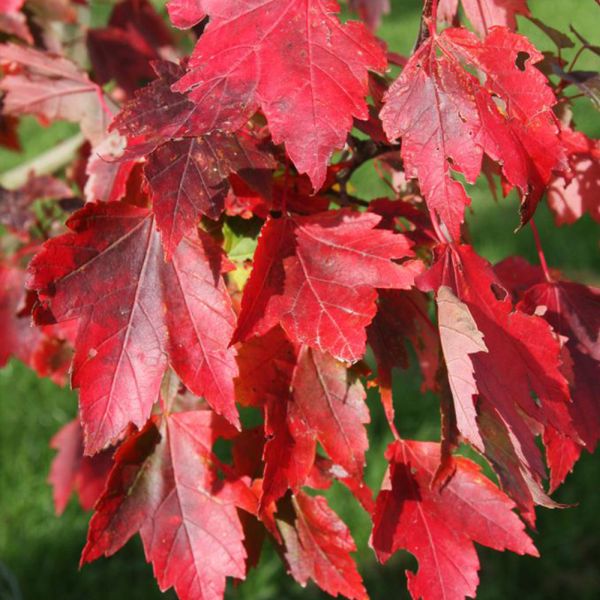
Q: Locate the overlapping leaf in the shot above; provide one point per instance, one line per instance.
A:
(572, 196)
(573, 310)
(188, 178)
(253, 55)
(72, 471)
(300, 278)
(136, 315)
(52, 87)
(308, 397)
(186, 13)
(523, 358)
(447, 119)
(267, 365)
(165, 485)
(318, 546)
(485, 14)
(439, 526)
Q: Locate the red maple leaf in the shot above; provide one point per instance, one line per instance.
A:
(186, 13)
(72, 471)
(299, 278)
(439, 526)
(328, 403)
(447, 119)
(318, 546)
(165, 485)
(485, 14)
(308, 397)
(573, 310)
(188, 178)
(267, 365)
(570, 197)
(124, 50)
(13, 21)
(371, 11)
(482, 336)
(239, 63)
(52, 87)
(136, 315)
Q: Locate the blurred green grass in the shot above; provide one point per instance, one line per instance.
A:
(42, 551)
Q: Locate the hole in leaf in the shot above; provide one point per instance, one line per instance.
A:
(498, 291)
(521, 60)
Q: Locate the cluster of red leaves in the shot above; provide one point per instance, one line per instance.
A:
(218, 258)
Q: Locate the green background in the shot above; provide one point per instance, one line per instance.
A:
(39, 552)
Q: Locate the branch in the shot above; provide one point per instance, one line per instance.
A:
(362, 152)
(44, 164)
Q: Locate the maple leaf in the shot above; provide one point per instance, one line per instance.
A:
(439, 526)
(107, 176)
(329, 404)
(136, 315)
(371, 11)
(299, 278)
(318, 546)
(52, 87)
(165, 485)
(573, 310)
(13, 21)
(186, 13)
(72, 471)
(258, 312)
(320, 307)
(476, 313)
(229, 80)
(485, 14)
(16, 210)
(156, 113)
(402, 315)
(17, 337)
(307, 397)
(125, 48)
(571, 197)
(447, 119)
(46, 350)
(266, 365)
(188, 178)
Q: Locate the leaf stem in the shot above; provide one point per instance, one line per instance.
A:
(428, 25)
(540, 251)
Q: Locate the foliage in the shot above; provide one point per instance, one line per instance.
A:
(206, 276)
